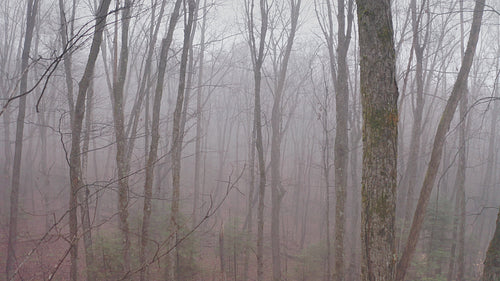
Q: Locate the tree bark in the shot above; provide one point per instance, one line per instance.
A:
(155, 137)
(453, 250)
(437, 149)
(277, 191)
(144, 84)
(412, 163)
(121, 142)
(83, 193)
(199, 118)
(462, 165)
(76, 130)
(341, 149)
(325, 155)
(250, 201)
(379, 94)
(491, 271)
(18, 149)
(257, 54)
(178, 135)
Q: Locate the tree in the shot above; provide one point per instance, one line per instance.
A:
(341, 149)
(257, 54)
(121, 142)
(277, 191)
(178, 134)
(340, 76)
(439, 139)
(418, 46)
(75, 162)
(379, 94)
(155, 134)
(491, 270)
(199, 115)
(461, 169)
(31, 13)
(83, 192)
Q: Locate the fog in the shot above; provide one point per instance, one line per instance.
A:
(233, 140)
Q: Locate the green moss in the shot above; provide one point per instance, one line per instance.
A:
(385, 34)
(382, 206)
(379, 120)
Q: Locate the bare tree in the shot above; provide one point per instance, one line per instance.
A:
(462, 165)
(437, 149)
(326, 166)
(418, 47)
(178, 134)
(199, 116)
(341, 149)
(121, 142)
(76, 130)
(67, 34)
(257, 54)
(31, 13)
(277, 190)
(153, 151)
(340, 76)
(491, 270)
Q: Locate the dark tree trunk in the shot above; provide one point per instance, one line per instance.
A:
(379, 94)
(491, 270)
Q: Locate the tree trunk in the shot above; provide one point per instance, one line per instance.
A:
(221, 253)
(325, 155)
(277, 191)
(83, 194)
(76, 130)
(67, 57)
(257, 53)
(18, 150)
(491, 271)
(379, 94)
(144, 86)
(462, 165)
(155, 137)
(121, 142)
(412, 163)
(487, 182)
(439, 139)
(250, 202)
(341, 149)
(178, 135)
(199, 115)
(453, 250)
